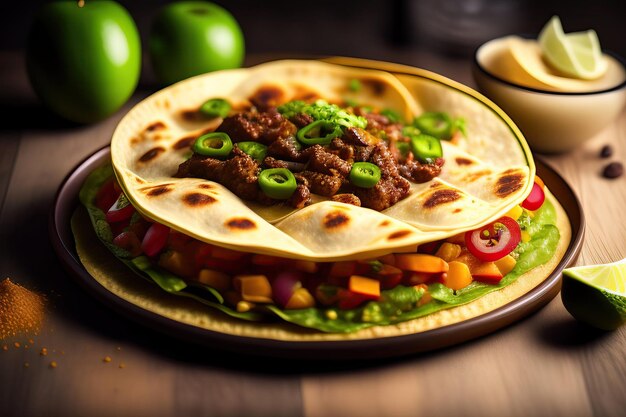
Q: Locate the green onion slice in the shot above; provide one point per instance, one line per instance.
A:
(426, 148)
(215, 144)
(364, 174)
(319, 132)
(215, 107)
(277, 183)
(256, 150)
(436, 124)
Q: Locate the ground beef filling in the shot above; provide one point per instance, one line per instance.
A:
(321, 170)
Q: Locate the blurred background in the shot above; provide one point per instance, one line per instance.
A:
(372, 28)
(439, 35)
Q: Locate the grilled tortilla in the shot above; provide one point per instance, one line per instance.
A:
(477, 184)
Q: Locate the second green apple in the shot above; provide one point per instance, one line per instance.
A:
(189, 38)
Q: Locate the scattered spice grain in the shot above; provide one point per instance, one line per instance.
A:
(17, 345)
(21, 310)
(106, 359)
(53, 364)
(122, 365)
(43, 351)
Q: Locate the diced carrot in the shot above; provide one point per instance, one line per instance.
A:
(301, 298)
(506, 264)
(515, 212)
(227, 254)
(448, 251)
(177, 263)
(458, 276)
(343, 269)
(364, 285)
(309, 267)
(215, 279)
(389, 259)
(420, 262)
(267, 260)
(487, 272)
(468, 259)
(255, 288)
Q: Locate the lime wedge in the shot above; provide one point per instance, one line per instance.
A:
(576, 55)
(596, 294)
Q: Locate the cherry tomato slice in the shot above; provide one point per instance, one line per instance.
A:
(535, 199)
(494, 241)
(155, 239)
(120, 210)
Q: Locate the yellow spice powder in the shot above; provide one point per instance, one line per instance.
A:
(21, 310)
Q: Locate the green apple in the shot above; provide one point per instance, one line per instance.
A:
(83, 58)
(193, 37)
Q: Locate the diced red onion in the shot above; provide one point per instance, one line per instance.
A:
(284, 286)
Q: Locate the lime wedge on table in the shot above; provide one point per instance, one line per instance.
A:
(577, 55)
(596, 294)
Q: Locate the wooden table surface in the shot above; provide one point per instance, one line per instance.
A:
(544, 365)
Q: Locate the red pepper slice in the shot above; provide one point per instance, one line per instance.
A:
(155, 239)
(535, 199)
(128, 240)
(120, 210)
(494, 241)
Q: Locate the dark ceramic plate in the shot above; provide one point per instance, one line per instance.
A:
(60, 232)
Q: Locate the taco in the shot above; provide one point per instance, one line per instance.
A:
(348, 201)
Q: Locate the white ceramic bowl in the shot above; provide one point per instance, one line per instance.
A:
(552, 122)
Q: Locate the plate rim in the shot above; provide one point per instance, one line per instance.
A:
(390, 346)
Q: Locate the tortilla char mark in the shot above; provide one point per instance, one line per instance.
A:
(509, 182)
(335, 220)
(186, 141)
(440, 197)
(378, 87)
(151, 154)
(240, 223)
(399, 234)
(463, 161)
(268, 96)
(155, 126)
(157, 190)
(198, 199)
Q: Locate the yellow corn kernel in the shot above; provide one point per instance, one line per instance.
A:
(244, 306)
(525, 236)
(448, 251)
(515, 212)
(301, 298)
